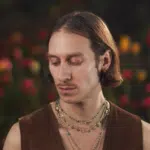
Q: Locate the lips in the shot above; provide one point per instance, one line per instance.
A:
(66, 87)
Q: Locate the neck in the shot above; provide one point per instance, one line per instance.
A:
(87, 108)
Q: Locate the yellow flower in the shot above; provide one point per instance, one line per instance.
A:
(16, 37)
(136, 48)
(124, 43)
(141, 75)
(35, 66)
(5, 65)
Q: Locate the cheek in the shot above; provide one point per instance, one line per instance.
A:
(87, 76)
(53, 72)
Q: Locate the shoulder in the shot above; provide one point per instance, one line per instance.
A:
(146, 135)
(124, 116)
(34, 114)
(25, 123)
(13, 139)
(36, 120)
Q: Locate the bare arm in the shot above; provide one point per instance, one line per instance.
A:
(146, 135)
(12, 141)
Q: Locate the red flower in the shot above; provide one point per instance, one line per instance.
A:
(28, 87)
(43, 34)
(147, 88)
(146, 102)
(1, 92)
(127, 74)
(17, 53)
(123, 101)
(28, 83)
(6, 78)
(26, 62)
(148, 39)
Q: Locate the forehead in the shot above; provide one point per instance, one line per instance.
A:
(64, 43)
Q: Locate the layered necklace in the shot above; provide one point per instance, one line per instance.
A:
(97, 121)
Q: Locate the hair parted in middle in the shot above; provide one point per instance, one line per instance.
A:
(95, 29)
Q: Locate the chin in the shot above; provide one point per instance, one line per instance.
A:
(69, 99)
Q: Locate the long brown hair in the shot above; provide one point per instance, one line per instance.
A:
(95, 29)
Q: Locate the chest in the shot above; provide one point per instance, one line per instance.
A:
(74, 140)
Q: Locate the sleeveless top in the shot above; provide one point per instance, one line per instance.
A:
(39, 130)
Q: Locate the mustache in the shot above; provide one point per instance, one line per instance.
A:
(66, 84)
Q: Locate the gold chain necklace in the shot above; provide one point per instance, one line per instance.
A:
(63, 122)
(59, 108)
(72, 141)
(94, 146)
(77, 128)
(102, 120)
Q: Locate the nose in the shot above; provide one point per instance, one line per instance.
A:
(64, 73)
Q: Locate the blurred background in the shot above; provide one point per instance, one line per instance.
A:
(25, 27)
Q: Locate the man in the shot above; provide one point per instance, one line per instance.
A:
(82, 59)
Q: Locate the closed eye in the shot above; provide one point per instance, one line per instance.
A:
(71, 60)
(75, 60)
(55, 63)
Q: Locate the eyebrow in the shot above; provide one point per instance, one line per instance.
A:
(77, 54)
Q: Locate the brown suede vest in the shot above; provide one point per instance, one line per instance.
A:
(39, 131)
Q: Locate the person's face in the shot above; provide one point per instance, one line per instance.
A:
(72, 66)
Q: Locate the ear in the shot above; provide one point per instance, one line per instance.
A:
(105, 61)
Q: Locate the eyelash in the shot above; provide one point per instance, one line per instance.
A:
(55, 64)
(75, 63)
